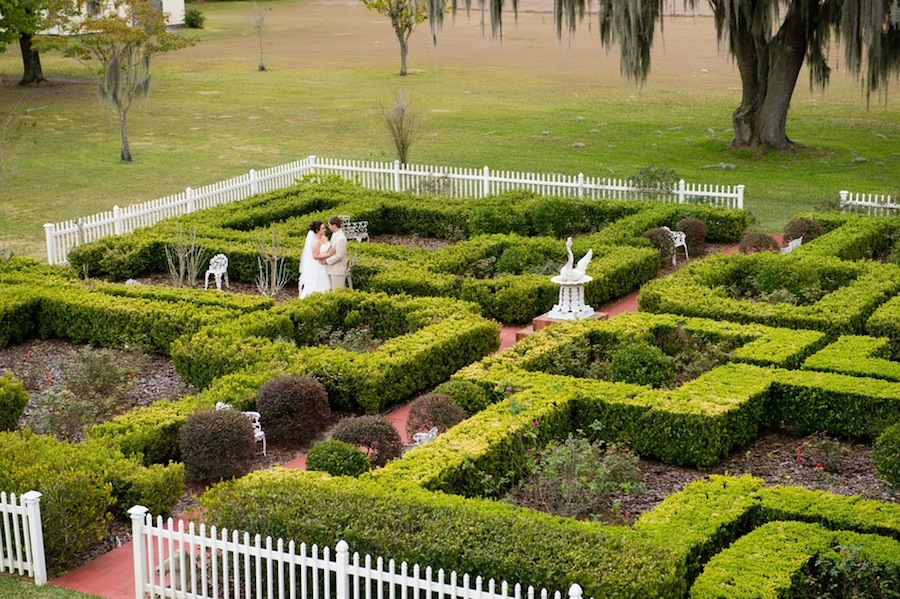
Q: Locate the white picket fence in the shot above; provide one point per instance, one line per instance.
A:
(388, 176)
(22, 536)
(871, 204)
(170, 561)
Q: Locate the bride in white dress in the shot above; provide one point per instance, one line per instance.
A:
(313, 278)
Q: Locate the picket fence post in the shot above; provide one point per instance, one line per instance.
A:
(844, 197)
(117, 219)
(31, 501)
(575, 591)
(580, 185)
(740, 197)
(50, 236)
(485, 182)
(680, 191)
(342, 570)
(138, 513)
(254, 182)
(189, 194)
(396, 175)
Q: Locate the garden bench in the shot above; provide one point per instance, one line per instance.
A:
(218, 267)
(423, 438)
(254, 417)
(357, 230)
(793, 245)
(678, 241)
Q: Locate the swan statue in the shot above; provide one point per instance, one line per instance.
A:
(577, 272)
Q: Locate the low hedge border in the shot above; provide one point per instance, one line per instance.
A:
(850, 237)
(774, 561)
(407, 523)
(699, 290)
(441, 336)
(885, 322)
(856, 355)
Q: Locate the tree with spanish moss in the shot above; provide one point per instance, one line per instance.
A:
(121, 36)
(769, 40)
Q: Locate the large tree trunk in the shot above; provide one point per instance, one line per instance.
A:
(404, 49)
(31, 62)
(403, 39)
(125, 154)
(769, 69)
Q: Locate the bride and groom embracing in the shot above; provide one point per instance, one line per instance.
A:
(323, 263)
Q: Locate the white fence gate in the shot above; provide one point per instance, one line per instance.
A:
(871, 204)
(201, 564)
(22, 536)
(387, 176)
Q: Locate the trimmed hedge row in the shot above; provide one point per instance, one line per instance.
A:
(857, 356)
(437, 337)
(699, 423)
(492, 539)
(699, 289)
(775, 561)
(885, 322)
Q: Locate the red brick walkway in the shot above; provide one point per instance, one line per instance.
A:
(112, 575)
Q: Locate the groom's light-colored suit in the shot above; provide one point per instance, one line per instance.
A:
(336, 264)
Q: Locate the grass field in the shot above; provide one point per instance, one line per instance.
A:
(21, 589)
(516, 105)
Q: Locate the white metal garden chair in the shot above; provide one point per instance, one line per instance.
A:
(218, 267)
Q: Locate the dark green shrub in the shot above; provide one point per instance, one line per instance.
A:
(433, 409)
(471, 397)
(293, 409)
(886, 455)
(757, 242)
(661, 240)
(694, 233)
(193, 18)
(13, 399)
(641, 364)
(651, 180)
(217, 445)
(807, 228)
(374, 434)
(337, 459)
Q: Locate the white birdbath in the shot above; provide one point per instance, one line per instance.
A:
(571, 304)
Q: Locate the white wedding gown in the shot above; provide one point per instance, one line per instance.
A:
(313, 278)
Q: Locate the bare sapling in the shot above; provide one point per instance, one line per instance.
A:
(273, 275)
(184, 257)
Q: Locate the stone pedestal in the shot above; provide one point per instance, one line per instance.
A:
(571, 304)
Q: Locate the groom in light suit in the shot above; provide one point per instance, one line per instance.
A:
(336, 263)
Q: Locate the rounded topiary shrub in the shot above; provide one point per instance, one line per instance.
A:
(807, 228)
(886, 455)
(433, 409)
(293, 409)
(661, 240)
(13, 399)
(337, 459)
(757, 242)
(217, 445)
(375, 435)
(694, 234)
(470, 396)
(641, 364)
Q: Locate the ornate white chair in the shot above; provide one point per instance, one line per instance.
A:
(258, 433)
(218, 267)
(679, 240)
(793, 245)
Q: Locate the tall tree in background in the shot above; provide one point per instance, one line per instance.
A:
(768, 39)
(404, 16)
(122, 38)
(21, 20)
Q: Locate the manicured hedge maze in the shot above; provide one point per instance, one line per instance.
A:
(799, 374)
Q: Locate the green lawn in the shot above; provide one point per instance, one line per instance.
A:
(519, 105)
(20, 589)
